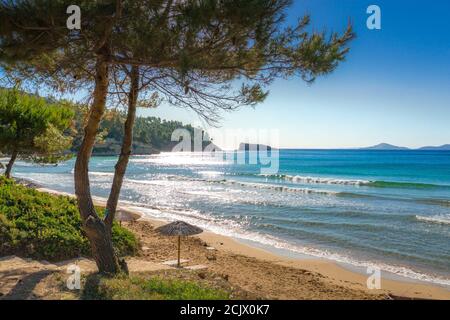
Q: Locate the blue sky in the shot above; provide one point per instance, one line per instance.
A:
(394, 86)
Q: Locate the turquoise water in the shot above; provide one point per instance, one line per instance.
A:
(384, 208)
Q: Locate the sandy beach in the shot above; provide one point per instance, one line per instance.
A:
(265, 274)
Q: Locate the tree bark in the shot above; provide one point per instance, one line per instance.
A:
(10, 164)
(95, 229)
(126, 149)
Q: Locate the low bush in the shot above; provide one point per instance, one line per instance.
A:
(44, 226)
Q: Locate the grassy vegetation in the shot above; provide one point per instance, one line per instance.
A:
(43, 226)
(154, 288)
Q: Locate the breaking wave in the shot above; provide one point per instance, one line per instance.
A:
(440, 219)
(366, 183)
(315, 180)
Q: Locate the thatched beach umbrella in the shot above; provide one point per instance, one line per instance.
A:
(179, 228)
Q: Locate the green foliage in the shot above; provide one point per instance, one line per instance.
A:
(32, 127)
(148, 131)
(156, 288)
(43, 226)
(157, 132)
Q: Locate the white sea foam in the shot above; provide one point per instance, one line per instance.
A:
(181, 158)
(210, 173)
(105, 174)
(317, 180)
(279, 188)
(148, 182)
(440, 219)
(97, 173)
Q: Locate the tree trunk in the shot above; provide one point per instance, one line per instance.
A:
(96, 230)
(125, 153)
(10, 164)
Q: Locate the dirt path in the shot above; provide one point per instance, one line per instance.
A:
(23, 279)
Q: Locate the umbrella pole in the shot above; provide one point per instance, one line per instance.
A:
(179, 244)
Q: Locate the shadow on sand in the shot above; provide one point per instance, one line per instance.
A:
(24, 287)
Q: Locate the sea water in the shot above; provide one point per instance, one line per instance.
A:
(389, 209)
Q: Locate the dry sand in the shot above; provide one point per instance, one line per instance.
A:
(270, 275)
(261, 273)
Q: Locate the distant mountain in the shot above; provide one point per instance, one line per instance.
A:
(384, 146)
(443, 147)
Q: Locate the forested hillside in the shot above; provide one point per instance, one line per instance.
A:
(150, 135)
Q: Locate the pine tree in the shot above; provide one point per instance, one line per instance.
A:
(205, 55)
(33, 129)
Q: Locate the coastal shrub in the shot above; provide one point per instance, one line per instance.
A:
(155, 288)
(44, 226)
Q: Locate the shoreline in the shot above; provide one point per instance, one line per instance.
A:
(336, 273)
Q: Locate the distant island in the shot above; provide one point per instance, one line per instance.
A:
(253, 147)
(443, 147)
(387, 146)
(384, 146)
